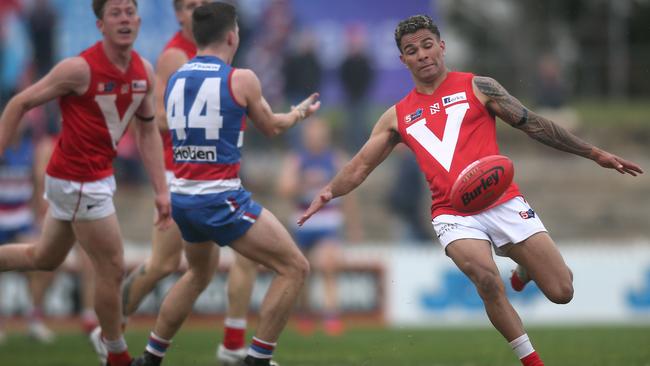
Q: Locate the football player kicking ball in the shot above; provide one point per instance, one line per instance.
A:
(99, 92)
(448, 122)
(206, 102)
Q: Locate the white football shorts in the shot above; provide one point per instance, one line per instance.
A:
(70, 200)
(510, 222)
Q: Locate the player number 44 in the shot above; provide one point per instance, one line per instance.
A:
(205, 112)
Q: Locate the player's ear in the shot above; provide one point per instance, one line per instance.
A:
(443, 46)
(100, 25)
(401, 58)
(230, 38)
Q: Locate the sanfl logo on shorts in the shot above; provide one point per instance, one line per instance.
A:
(527, 214)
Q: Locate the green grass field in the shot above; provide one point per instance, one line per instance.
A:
(592, 346)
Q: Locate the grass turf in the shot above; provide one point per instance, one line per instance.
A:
(593, 346)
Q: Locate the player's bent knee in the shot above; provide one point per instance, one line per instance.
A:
(489, 285)
(299, 268)
(168, 266)
(43, 262)
(562, 294)
(46, 264)
(111, 270)
(200, 279)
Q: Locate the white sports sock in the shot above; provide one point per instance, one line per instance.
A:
(237, 323)
(522, 346)
(116, 346)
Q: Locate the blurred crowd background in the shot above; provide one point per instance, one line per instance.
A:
(584, 63)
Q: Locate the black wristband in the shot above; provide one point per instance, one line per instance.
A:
(523, 119)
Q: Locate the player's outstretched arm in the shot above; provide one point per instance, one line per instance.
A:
(382, 140)
(150, 146)
(71, 75)
(247, 91)
(497, 99)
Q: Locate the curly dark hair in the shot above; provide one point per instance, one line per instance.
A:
(413, 24)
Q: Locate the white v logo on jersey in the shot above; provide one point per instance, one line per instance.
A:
(441, 150)
(114, 123)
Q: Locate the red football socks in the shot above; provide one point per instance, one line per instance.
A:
(119, 359)
(532, 360)
(234, 337)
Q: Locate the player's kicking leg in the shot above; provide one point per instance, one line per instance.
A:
(167, 247)
(474, 258)
(241, 279)
(539, 260)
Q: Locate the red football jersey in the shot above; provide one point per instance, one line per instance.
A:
(93, 123)
(187, 46)
(447, 131)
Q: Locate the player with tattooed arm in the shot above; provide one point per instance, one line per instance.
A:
(448, 121)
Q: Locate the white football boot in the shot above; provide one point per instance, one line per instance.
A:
(98, 345)
(40, 332)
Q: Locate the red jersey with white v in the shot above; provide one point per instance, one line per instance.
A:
(93, 123)
(189, 48)
(447, 131)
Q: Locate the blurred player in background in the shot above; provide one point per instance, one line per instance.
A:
(99, 93)
(448, 121)
(167, 245)
(207, 101)
(304, 172)
(22, 169)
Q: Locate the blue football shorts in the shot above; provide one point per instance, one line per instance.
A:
(308, 239)
(222, 217)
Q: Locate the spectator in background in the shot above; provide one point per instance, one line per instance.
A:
(305, 170)
(265, 55)
(41, 20)
(550, 90)
(406, 200)
(12, 54)
(552, 94)
(357, 75)
(302, 70)
(302, 74)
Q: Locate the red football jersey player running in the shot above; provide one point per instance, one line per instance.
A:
(448, 122)
(99, 92)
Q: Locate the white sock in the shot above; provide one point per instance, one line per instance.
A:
(116, 346)
(237, 323)
(522, 346)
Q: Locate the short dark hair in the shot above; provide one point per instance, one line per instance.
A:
(413, 24)
(211, 22)
(178, 4)
(99, 5)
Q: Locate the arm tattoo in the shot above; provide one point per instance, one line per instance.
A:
(509, 109)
